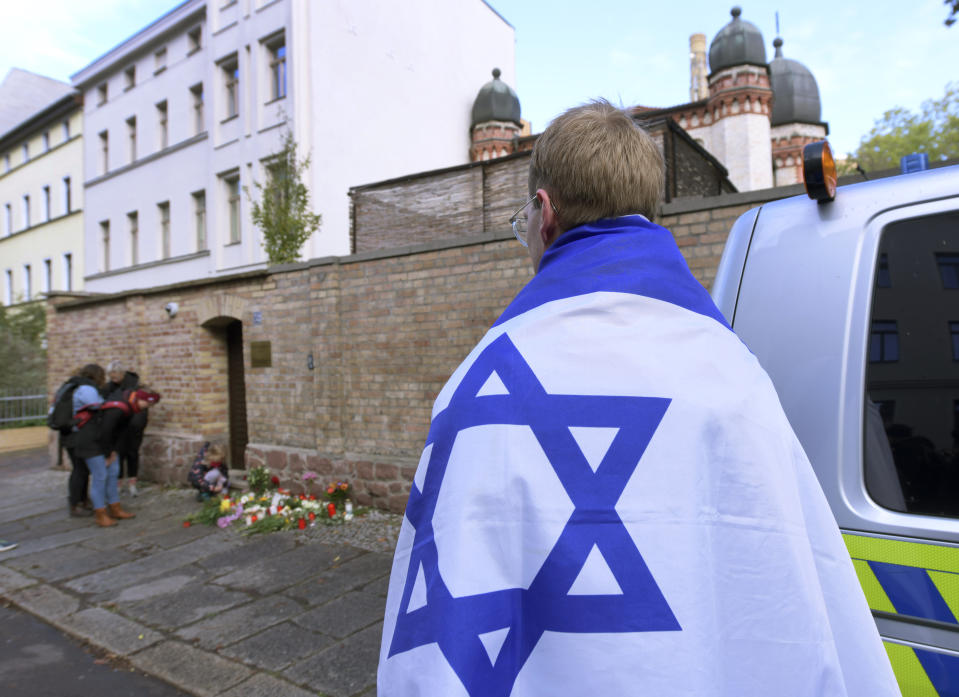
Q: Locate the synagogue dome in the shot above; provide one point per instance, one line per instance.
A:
(496, 101)
(738, 43)
(795, 92)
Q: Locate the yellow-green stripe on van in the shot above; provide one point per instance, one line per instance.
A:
(920, 554)
(911, 676)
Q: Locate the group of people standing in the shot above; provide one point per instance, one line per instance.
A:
(109, 409)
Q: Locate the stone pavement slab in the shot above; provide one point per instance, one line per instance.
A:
(266, 686)
(349, 575)
(191, 603)
(240, 622)
(344, 669)
(279, 646)
(75, 560)
(11, 580)
(198, 672)
(271, 575)
(259, 548)
(46, 602)
(150, 567)
(111, 631)
(347, 614)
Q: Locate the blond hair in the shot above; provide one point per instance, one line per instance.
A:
(596, 162)
(215, 453)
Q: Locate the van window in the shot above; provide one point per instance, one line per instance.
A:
(911, 420)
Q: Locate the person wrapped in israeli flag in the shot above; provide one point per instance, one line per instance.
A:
(611, 500)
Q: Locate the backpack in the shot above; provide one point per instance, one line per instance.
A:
(60, 416)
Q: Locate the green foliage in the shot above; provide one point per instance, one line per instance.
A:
(953, 6)
(23, 356)
(283, 212)
(935, 130)
(260, 480)
(208, 514)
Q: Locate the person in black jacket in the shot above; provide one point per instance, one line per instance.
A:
(100, 424)
(128, 444)
(78, 501)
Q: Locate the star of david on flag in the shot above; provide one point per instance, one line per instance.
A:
(593, 579)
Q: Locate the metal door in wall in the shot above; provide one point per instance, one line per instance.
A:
(236, 392)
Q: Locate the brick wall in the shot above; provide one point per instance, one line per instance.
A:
(385, 330)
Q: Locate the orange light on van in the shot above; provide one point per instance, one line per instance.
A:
(819, 171)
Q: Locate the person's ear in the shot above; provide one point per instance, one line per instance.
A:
(549, 223)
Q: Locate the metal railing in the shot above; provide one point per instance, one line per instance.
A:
(17, 407)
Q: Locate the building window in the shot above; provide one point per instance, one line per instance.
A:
(8, 288)
(159, 61)
(277, 49)
(26, 152)
(104, 152)
(46, 204)
(194, 40)
(133, 224)
(27, 285)
(132, 136)
(26, 212)
(47, 276)
(948, 270)
(231, 87)
(68, 271)
(66, 130)
(130, 78)
(199, 216)
(7, 220)
(197, 93)
(105, 245)
(162, 124)
(102, 94)
(67, 203)
(46, 141)
(164, 210)
(233, 205)
(954, 333)
(884, 341)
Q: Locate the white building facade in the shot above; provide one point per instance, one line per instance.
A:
(41, 189)
(182, 118)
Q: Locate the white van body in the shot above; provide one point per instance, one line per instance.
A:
(851, 298)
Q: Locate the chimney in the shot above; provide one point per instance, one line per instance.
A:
(698, 85)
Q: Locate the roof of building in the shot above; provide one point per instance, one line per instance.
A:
(738, 43)
(23, 94)
(496, 101)
(795, 92)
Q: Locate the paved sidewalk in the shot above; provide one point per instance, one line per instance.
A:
(211, 611)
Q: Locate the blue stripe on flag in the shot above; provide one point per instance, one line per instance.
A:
(943, 671)
(625, 255)
(912, 592)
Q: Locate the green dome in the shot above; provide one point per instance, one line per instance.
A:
(496, 101)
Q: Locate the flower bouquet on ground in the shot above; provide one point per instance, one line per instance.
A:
(269, 507)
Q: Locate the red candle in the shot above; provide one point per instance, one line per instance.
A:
(302, 524)
(331, 509)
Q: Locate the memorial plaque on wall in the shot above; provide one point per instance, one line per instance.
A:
(260, 356)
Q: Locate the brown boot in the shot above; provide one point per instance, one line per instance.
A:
(117, 512)
(102, 518)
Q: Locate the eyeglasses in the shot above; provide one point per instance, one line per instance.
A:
(519, 223)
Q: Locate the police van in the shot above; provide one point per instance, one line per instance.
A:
(850, 300)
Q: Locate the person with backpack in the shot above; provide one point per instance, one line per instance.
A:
(60, 419)
(99, 424)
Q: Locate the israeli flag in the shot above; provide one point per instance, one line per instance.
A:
(612, 502)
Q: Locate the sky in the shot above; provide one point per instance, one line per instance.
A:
(867, 56)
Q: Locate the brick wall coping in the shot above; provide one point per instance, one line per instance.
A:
(433, 246)
(703, 203)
